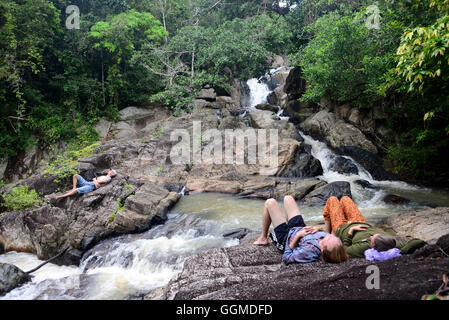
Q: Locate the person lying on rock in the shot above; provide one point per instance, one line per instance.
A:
(343, 219)
(299, 243)
(87, 186)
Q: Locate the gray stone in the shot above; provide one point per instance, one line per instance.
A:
(336, 132)
(319, 196)
(207, 94)
(343, 165)
(428, 225)
(257, 273)
(134, 113)
(11, 277)
(103, 127)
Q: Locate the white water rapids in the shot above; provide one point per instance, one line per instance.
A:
(129, 266)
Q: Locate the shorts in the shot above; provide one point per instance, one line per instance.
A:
(280, 233)
(85, 186)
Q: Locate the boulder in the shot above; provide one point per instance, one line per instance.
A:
(395, 199)
(343, 165)
(295, 85)
(337, 133)
(272, 98)
(11, 277)
(319, 196)
(303, 166)
(428, 225)
(279, 78)
(135, 113)
(297, 188)
(152, 200)
(278, 62)
(267, 107)
(103, 127)
(207, 94)
(257, 273)
(371, 162)
(366, 185)
(122, 130)
(262, 119)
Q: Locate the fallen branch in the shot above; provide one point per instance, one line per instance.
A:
(48, 261)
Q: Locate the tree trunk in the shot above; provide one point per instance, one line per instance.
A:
(102, 78)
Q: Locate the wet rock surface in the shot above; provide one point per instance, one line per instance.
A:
(11, 277)
(344, 166)
(319, 196)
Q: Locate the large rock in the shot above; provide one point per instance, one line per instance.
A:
(319, 196)
(252, 272)
(135, 113)
(343, 165)
(263, 119)
(103, 127)
(150, 199)
(336, 132)
(11, 277)
(295, 85)
(303, 166)
(207, 94)
(267, 107)
(428, 225)
(371, 162)
(257, 273)
(82, 221)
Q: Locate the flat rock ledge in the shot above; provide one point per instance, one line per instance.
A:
(251, 272)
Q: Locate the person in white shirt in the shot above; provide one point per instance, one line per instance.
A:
(87, 186)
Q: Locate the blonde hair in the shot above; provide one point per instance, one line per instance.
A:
(336, 254)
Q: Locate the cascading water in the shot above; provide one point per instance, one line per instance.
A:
(130, 266)
(123, 267)
(369, 200)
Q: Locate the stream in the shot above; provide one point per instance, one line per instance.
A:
(129, 266)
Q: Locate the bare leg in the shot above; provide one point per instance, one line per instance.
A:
(327, 226)
(272, 214)
(67, 194)
(290, 207)
(75, 181)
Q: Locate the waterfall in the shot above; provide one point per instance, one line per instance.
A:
(259, 92)
(132, 265)
(368, 199)
(122, 267)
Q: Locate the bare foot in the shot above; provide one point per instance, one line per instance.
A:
(261, 241)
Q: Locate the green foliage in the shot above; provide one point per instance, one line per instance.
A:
(120, 207)
(158, 132)
(64, 165)
(345, 60)
(422, 72)
(21, 198)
